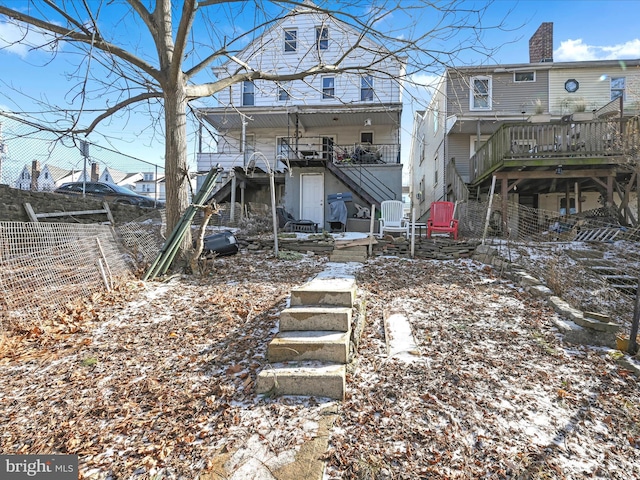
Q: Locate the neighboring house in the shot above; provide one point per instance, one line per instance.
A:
(151, 186)
(52, 177)
(24, 179)
(123, 179)
(553, 134)
(326, 134)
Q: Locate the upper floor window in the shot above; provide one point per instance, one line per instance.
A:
(436, 116)
(248, 93)
(290, 40)
(617, 87)
(480, 98)
(322, 38)
(148, 177)
(328, 87)
(283, 92)
(524, 76)
(366, 88)
(435, 169)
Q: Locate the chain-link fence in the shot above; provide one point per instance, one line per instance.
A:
(590, 258)
(32, 158)
(45, 265)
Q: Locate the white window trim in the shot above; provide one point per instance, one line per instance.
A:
(624, 88)
(524, 81)
(329, 97)
(294, 43)
(319, 39)
(472, 81)
(369, 82)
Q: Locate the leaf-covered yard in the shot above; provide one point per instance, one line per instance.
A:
(156, 381)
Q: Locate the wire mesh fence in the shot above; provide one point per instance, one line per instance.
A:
(32, 158)
(45, 265)
(591, 259)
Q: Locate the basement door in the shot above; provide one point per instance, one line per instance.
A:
(312, 198)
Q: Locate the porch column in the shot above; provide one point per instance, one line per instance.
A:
(610, 190)
(232, 212)
(504, 192)
(243, 185)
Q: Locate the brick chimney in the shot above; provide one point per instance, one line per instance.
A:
(35, 173)
(541, 44)
(95, 172)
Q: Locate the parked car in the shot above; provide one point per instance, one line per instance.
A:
(109, 192)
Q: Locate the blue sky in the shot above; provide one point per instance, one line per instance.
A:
(583, 30)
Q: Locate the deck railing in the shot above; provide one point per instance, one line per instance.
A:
(354, 153)
(551, 141)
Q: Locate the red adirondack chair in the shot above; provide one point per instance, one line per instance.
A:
(441, 219)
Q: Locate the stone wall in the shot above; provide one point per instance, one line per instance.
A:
(12, 207)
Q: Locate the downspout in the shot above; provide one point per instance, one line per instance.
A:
(243, 142)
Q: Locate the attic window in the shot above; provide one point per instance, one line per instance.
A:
(322, 38)
(519, 77)
(290, 40)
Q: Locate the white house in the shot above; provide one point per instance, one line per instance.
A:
(328, 133)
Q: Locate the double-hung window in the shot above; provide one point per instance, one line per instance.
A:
(290, 40)
(248, 93)
(480, 93)
(283, 92)
(366, 88)
(617, 87)
(322, 38)
(328, 87)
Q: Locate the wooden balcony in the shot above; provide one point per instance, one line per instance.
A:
(317, 150)
(539, 146)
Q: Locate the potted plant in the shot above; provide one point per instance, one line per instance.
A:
(579, 110)
(539, 116)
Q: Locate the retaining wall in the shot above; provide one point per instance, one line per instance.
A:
(12, 207)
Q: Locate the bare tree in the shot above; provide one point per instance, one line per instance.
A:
(133, 52)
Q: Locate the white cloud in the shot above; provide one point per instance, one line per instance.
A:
(576, 51)
(22, 40)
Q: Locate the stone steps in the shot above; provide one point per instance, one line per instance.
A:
(316, 318)
(309, 354)
(325, 346)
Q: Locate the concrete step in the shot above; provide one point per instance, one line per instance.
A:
(339, 292)
(315, 318)
(318, 380)
(325, 346)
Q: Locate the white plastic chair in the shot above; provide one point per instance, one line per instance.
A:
(392, 218)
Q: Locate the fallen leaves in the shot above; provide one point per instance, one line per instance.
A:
(157, 381)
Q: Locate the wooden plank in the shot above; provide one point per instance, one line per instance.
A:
(32, 215)
(108, 210)
(70, 214)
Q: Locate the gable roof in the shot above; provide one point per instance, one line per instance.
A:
(311, 9)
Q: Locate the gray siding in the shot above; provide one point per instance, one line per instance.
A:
(508, 97)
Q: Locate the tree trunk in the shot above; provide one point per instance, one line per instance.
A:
(176, 169)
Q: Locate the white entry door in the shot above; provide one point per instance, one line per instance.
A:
(312, 198)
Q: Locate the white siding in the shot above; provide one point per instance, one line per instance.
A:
(267, 54)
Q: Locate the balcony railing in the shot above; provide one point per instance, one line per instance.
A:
(319, 148)
(551, 141)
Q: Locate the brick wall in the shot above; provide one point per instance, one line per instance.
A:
(12, 207)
